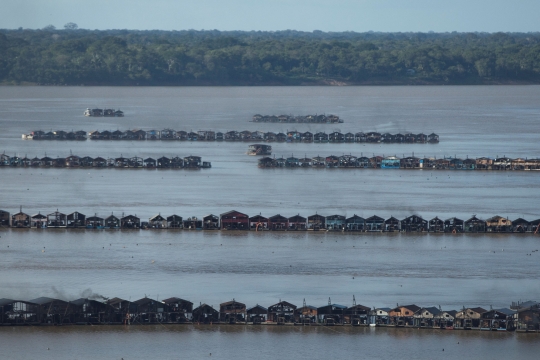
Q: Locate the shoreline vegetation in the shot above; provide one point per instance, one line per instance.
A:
(77, 57)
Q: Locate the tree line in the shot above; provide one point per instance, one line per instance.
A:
(130, 57)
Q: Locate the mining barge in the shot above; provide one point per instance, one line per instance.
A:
(135, 162)
(396, 163)
(520, 317)
(236, 220)
(203, 135)
(309, 119)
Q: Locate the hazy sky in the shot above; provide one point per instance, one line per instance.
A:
(306, 15)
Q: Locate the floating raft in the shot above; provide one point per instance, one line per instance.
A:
(103, 113)
(393, 162)
(175, 310)
(289, 136)
(74, 161)
(309, 119)
(235, 220)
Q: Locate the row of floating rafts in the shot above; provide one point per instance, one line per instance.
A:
(520, 317)
(74, 161)
(310, 119)
(235, 220)
(393, 162)
(289, 136)
(103, 112)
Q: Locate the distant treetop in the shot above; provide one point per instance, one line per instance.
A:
(290, 57)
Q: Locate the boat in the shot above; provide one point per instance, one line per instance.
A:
(100, 112)
(259, 149)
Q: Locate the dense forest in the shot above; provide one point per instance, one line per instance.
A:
(130, 57)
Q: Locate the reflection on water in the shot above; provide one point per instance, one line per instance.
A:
(379, 269)
(264, 342)
(213, 267)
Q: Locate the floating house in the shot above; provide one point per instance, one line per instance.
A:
(193, 223)
(331, 314)
(258, 223)
(267, 162)
(282, 312)
(316, 222)
(232, 312)
(503, 163)
(454, 225)
(363, 162)
(180, 310)
(425, 317)
(320, 137)
(305, 162)
(374, 223)
(391, 225)
(373, 137)
(403, 315)
(99, 162)
(335, 223)
(88, 311)
(87, 161)
(152, 135)
(528, 318)
(150, 311)
(18, 312)
(498, 224)
(163, 162)
(259, 149)
(182, 135)
(411, 162)
(211, 222)
(157, 222)
(38, 221)
(257, 314)
(281, 137)
(4, 218)
(52, 311)
(390, 162)
(436, 225)
(355, 223)
(332, 161)
(360, 137)
(318, 161)
(469, 318)
(56, 220)
(112, 222)
(433, 138)
(445, 319)
(306, 314)
(292, 162)
(278, 222)
(498, 320)
(521, 225)
(336, 137)
(130, 222)
(150, 163)
(95, 222)
(414, 223)
(234, 220)
(379, 316)
(357, 314)
(174, 222)
(307, 137)
(347, 161)
(475, 225)
(76, 220)
(192, 162)
(297, 222)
